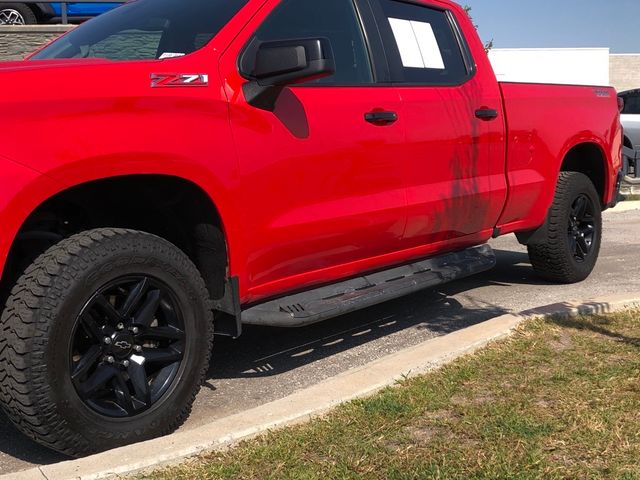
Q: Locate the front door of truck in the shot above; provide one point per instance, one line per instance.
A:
(323, 196)
(454, 156)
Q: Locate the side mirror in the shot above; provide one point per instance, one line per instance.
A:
(271, 66)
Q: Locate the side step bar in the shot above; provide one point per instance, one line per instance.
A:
(344, 297)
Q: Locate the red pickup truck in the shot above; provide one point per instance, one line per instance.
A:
(269, 162)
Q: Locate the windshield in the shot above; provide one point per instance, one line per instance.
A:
(146, 30)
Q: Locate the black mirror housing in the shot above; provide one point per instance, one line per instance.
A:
(273, 62)
(271, 66)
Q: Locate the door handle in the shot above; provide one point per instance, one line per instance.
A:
(381, 119)
(486, 114)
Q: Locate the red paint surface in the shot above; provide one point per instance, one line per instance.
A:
(310, 193)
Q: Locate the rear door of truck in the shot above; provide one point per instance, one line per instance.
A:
(452, 108)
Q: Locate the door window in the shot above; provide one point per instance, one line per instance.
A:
(336, 20)
(422, 44)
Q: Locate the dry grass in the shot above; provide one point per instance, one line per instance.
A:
(561, 399)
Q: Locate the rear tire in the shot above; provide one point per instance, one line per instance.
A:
(105, 341)
(17, 14)
(570, 250)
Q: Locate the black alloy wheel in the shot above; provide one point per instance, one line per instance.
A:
(127, 346)
(582, 228)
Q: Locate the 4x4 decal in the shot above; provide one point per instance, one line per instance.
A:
(179, 80)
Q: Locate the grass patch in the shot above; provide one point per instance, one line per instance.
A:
(561, 399)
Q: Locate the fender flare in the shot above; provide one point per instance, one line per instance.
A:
(601, 144)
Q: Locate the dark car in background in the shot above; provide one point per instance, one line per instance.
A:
(20, 13)
(630, 119)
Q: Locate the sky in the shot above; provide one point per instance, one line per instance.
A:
(559, 23)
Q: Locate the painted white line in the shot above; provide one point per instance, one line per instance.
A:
(313, 401)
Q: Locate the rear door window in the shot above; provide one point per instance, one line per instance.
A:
(422, 44)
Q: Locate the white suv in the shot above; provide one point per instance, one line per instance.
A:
(631, 123)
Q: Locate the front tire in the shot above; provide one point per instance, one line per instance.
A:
(570, 250)
(105, 341)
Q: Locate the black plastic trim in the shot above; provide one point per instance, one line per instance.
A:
(369, 289)
(467, 56)
(616, 194)
(228, 321)
(373, 40)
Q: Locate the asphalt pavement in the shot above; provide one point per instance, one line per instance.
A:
(266, 364)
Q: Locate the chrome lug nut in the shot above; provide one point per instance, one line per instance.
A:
(107, 340)
(125, 364)
(110, 359)
(135, 330)
(137, 348)
(120, 326)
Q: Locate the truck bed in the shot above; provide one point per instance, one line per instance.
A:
(543, 121)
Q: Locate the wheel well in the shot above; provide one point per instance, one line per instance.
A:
(44, 11)
(587, 158)
(627, 142)
(168, 207)
(40, 15)
(35, 9)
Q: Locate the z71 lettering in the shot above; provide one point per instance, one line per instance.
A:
(179, 80)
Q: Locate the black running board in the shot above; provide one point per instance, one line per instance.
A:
(344, 297)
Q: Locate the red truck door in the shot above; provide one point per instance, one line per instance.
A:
(452, 111)
(322, 192)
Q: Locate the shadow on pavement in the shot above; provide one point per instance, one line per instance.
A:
(263, 351)
(15, 444)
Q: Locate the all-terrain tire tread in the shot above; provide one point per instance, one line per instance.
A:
(24, 329)
(551, 259)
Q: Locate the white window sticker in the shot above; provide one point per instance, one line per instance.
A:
(417, 44)
(166, 55)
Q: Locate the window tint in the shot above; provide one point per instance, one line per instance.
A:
(422, 45)
(146, 29)
(336, 20)
(631, 103)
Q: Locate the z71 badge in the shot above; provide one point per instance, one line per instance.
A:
(179, 80)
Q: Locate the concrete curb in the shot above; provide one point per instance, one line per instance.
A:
(313, 401)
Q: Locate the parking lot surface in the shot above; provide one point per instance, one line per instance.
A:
(266, 363)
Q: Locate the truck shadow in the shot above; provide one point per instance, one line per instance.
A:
(265, 352)
(269, 352)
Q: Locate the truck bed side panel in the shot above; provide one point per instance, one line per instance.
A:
(544, 122)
